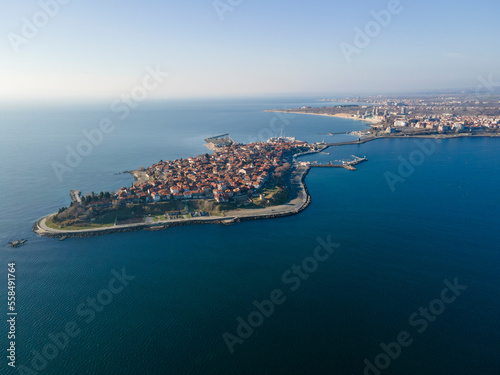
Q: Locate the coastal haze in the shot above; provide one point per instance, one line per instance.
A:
(233, 187)
(85, 51)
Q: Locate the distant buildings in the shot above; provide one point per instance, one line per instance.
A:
(400, 123)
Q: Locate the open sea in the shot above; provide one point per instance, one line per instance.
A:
(416, 268)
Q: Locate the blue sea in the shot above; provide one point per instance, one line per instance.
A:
(411, 285)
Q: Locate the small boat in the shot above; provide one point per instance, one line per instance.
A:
(63, 238)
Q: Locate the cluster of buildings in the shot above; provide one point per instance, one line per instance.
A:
(447, 123)
(401, 116)
(432, 102)
(232, 173)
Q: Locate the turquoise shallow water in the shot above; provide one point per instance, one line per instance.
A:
(192, 283)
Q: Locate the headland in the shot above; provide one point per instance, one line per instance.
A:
(262, 180)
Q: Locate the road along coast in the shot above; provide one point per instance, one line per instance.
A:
(299, 200)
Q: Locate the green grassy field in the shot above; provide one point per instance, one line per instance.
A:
(273, 196)
(50, 223)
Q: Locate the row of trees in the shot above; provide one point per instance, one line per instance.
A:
(280, 173)
(92, 197)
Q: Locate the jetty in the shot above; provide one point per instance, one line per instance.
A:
(218, 141)
(346, 164)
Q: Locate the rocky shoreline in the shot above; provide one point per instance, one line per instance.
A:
(162, 226)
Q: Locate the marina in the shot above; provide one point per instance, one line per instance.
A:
(347, 164)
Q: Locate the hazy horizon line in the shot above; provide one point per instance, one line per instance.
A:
(316, 96)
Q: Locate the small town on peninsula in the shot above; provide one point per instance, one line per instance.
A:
(254, 180)
(234, 176)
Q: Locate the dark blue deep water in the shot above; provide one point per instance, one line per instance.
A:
(397, 248)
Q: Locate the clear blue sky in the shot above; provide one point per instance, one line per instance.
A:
(100, 49)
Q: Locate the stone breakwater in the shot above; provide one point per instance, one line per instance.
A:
(47, 232)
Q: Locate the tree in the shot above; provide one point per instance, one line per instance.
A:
(280, 172)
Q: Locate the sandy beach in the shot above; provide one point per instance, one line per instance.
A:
(339, 115)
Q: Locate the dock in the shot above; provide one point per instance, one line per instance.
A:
(217, 137)
(346, 164)
(217, 142)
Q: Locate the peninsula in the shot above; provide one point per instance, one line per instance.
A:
(237, 182)
(262, 180)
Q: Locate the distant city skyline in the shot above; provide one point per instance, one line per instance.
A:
(55, 49)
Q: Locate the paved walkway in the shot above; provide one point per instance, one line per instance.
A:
(43, 229)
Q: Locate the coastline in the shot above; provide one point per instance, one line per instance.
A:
(139, 177)
(300, 200)
(338, 115)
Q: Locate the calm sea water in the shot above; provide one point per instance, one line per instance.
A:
(192, 283)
